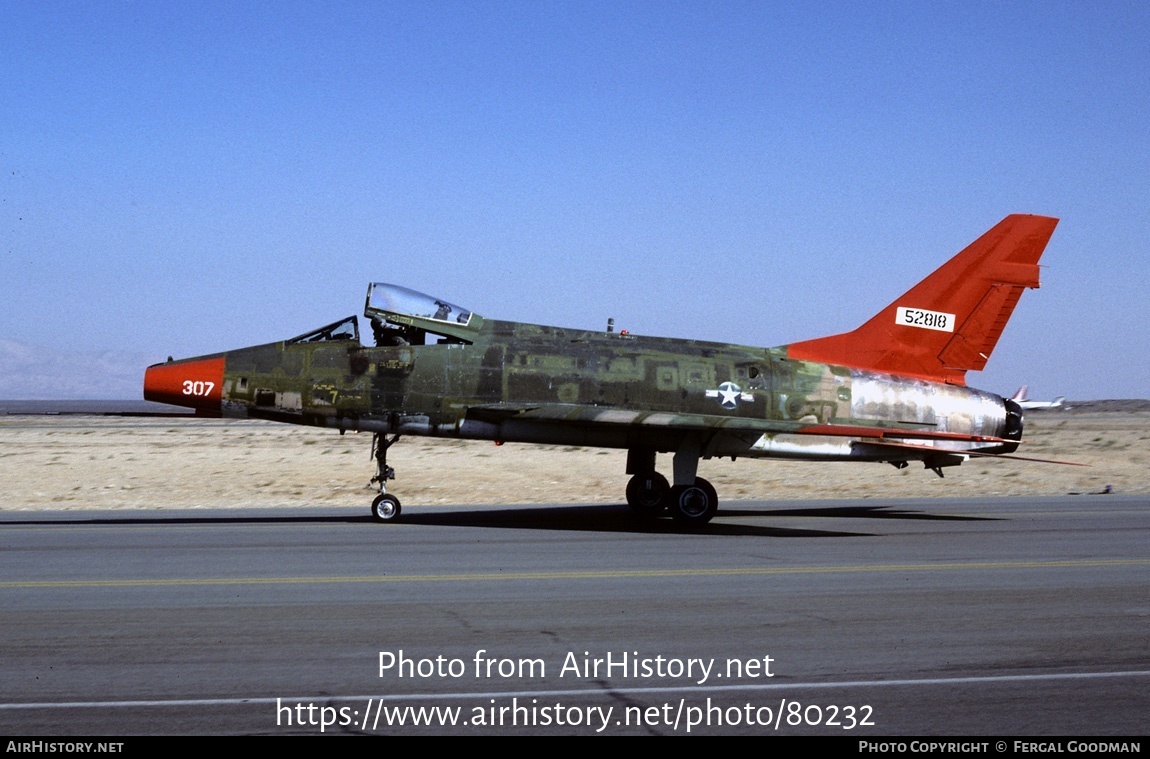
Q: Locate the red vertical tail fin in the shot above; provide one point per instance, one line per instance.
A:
(948, 323)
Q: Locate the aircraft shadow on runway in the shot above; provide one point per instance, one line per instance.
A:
(614, 518)
(876, 511)
(618, 518)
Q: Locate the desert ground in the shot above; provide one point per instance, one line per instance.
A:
(92, 462)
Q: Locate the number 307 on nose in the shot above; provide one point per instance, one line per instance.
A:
(198, 388)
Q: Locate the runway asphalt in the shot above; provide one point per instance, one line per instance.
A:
(993, 617)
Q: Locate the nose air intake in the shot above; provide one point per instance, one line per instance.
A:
(195, 384)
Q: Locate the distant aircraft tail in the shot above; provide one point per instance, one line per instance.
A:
(948, 323)
(1020, 396)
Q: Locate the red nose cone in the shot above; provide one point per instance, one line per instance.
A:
(196, 384)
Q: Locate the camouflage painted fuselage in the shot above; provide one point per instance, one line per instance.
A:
(517, 382)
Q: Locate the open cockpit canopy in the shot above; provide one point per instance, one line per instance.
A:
(400, 316)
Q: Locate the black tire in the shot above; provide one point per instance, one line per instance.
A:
(694, 504)
(647, 494)
(385, 508)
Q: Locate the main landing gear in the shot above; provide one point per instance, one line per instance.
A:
(385, 507)
(692, 500)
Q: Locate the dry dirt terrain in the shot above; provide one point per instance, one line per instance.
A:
(91, 462)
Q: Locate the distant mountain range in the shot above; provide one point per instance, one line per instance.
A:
(30, 372)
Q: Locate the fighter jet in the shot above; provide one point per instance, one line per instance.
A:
(893, 390)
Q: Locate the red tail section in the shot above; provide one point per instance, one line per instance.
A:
(948, 323)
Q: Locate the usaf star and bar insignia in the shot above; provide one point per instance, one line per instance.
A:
(729, 395)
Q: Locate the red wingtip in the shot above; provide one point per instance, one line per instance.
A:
(196, 384)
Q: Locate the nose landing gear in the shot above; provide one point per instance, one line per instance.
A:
(385, 507)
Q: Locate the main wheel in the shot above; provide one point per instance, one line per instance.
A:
(647, 494)
(385, 508)
(694, 504)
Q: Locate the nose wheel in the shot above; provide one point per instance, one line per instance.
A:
(385, 507)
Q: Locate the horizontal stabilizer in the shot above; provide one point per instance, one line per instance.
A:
(929, 449)
(844, 430)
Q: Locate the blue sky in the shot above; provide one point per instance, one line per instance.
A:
(186, 177)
